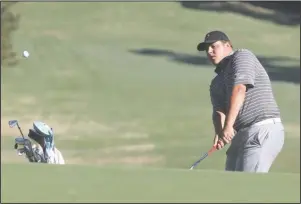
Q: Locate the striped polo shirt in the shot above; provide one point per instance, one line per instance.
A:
(243, 67)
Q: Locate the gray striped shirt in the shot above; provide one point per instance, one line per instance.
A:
(243, 67)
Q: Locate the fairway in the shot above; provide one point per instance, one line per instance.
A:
(127, 95)
(95, 184)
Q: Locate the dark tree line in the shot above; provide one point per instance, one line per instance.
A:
(281, 12)
(9, 23)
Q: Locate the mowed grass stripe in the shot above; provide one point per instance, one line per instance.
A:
(93, 184)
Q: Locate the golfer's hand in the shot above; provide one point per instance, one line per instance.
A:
(227, 134)
(218, 142)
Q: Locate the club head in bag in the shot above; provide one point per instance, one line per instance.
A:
(12, 123)
(21, 151)
(19, 141)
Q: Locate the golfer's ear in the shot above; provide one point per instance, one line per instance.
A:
(227, 43)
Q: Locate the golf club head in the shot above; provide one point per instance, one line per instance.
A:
(21, 151)
(20, 141)
(12, 123)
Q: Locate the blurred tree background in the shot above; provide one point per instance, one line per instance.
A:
(9, 23)
(283, 12)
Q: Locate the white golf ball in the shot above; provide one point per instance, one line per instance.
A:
(26, 54)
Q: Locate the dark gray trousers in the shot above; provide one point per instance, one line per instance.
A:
(254, 149)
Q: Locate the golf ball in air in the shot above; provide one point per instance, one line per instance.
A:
(26, 54)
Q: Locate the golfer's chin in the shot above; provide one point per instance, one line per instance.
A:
(215, 61)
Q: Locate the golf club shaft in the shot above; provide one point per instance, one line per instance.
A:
(212, 150)
(20, 130)
(203, 157)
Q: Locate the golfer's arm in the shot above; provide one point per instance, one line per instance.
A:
(236, 101)
(218, 118)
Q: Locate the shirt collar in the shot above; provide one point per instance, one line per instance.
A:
(220, 65)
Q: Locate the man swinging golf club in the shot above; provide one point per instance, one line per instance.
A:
(44, 151)
(242, 99)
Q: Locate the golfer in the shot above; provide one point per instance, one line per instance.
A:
(243, 106)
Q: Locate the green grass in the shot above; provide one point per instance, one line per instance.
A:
(109, 106)
(95, 184)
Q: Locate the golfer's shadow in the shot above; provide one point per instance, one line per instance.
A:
(177, 57)
(276, 71)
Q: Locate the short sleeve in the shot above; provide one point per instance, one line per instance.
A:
(243, 68)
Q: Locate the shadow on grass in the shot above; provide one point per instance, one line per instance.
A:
(275, 66)
(283, 13)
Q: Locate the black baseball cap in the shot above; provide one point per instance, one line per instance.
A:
(212, 37)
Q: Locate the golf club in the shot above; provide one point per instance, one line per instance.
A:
(13, 123)
(203, 157)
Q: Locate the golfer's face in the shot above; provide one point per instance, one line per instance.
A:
(216, 52)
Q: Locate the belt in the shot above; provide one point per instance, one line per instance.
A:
(268, 121)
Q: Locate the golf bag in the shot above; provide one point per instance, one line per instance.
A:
(44, 151)
(29, 150)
